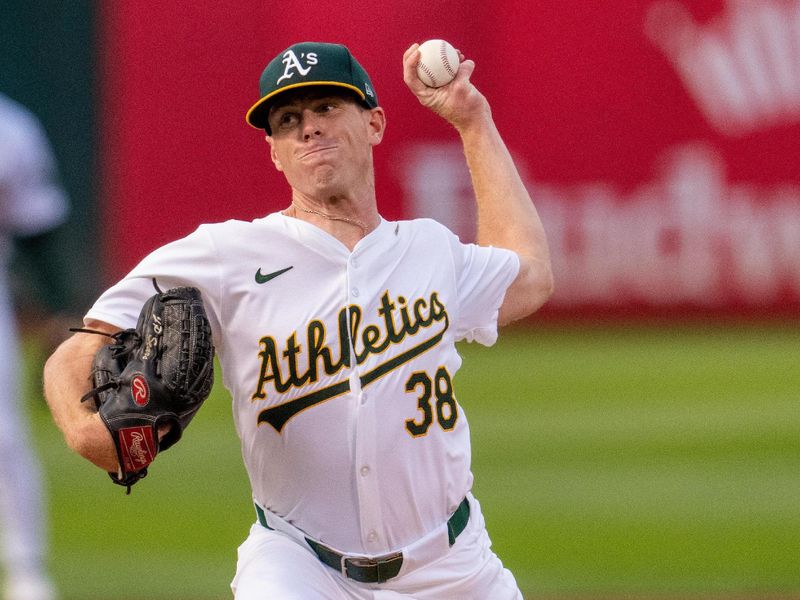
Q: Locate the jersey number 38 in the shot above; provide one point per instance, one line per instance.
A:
(441, 387)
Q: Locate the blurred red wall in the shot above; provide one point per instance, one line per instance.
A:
(659, 138)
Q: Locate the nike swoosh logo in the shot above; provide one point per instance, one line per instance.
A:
(261, 278)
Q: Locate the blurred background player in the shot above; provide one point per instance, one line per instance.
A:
(31, 202)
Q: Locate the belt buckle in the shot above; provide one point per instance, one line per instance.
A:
(377, 564)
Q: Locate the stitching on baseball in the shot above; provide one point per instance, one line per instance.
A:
(445, 61)
(428, 72)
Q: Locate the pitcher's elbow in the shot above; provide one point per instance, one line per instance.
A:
(541, 294)
(541, 286)
(548, 286)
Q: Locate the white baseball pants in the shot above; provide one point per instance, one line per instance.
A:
(275, 565)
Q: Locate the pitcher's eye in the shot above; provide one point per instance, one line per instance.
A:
(287, 119)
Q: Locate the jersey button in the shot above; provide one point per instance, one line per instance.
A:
(354, 292)
(354, 262)
(373, 536)
(364, 470)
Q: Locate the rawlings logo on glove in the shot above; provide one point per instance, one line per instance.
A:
(137, 447)
(153, 378)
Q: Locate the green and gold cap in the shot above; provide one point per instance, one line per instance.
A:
(310, 63)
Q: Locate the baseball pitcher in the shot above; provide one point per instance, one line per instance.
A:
(335, 330)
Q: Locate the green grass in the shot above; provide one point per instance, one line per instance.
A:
(609, 461)
(638, 461)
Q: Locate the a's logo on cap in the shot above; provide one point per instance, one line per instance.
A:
(368, 91)
(292, 62)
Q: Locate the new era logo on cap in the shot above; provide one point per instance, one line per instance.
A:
(310, 63)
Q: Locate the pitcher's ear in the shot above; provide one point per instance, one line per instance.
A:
(377, 124)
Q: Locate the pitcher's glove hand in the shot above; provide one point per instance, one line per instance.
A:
(154, 377)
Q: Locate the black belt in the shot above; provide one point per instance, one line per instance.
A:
(379, 568)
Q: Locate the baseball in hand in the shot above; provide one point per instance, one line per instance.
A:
(438, 63)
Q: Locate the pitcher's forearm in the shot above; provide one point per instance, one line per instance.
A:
(507, 217)
(66, 380)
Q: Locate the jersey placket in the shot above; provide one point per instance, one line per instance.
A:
(365, 432)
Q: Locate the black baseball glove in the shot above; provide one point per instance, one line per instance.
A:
(153, 377)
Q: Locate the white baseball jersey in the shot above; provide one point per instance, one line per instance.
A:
(340, 364)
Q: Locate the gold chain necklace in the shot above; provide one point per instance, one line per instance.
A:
(358, 224)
